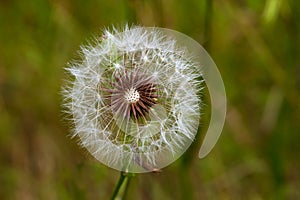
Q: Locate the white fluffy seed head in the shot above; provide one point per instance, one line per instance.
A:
(135, 99)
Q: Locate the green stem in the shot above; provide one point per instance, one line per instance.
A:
(122, 186)
(207, 24)
(193, 150)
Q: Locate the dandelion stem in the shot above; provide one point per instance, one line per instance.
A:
(122, 186)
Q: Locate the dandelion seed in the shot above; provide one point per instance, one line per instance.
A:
(135, 99)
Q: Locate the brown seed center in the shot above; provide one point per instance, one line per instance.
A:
(132, 95)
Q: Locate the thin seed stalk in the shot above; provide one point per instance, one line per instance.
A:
(122, 186)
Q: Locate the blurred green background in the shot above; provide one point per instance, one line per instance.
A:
(254, 43)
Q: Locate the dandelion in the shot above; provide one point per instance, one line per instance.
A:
(134, 99)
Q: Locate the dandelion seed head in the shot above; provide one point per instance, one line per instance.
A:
(135, 99)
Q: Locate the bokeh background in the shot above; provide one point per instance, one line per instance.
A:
(254, 43)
